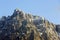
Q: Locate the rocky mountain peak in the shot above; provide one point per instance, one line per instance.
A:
(17, 12)
(22, 26)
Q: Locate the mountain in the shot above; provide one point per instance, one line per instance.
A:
(23, 26)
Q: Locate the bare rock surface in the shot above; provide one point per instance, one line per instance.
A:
(22, 26)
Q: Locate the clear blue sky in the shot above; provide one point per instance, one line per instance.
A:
(50, 9)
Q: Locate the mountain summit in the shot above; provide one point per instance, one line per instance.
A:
(22, 26)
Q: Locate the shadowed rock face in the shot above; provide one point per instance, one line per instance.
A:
(58, 30)
(21, 26)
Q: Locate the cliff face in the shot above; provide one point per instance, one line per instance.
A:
(21, 26)
(58, 30)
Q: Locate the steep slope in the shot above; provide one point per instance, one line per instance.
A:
(21, 26)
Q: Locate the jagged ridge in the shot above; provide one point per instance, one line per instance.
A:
(21, 26)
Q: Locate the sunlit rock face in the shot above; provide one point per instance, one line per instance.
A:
(22, 26)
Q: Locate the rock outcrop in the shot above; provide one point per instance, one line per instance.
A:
(21, 26)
